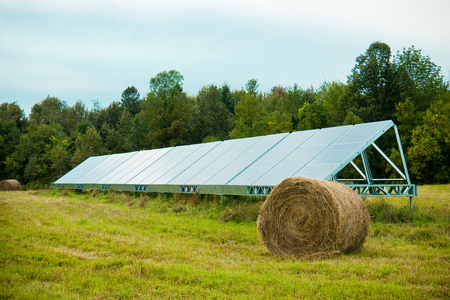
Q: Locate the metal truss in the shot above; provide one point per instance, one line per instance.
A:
(259, 190)
(376, 187)
(377, 190)
(189, 189)
(140, 188)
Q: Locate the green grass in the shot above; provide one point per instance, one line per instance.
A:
(91, 245)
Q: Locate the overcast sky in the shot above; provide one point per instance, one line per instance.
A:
(94, 49)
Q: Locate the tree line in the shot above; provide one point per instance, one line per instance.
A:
(407, 88)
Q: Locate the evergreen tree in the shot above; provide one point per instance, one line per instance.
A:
(130, 100)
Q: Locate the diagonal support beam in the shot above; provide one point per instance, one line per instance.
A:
(359, 170)
(389, 161)
(400, 148)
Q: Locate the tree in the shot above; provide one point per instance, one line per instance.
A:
(167, 111)
(12, 125)
(165, 83)
(60, 158)
(110, 115)
(124, 129)
(278, 122)
(252, 86)
(311, 116)
(279, 109)
(33, 158)
(87, 145)
(429, 154)
(331, 96)
(130, 100)
(12, 113)
(119, 140)
(408, 119)
(50, 110)
(227, 98)
(351, 119)
(373, 84)
(420, 79)
(139, 136)
(250, 116)
(54, 111)
(74, 115)
(215, 117)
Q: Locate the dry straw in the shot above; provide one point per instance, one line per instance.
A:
(9, 185)
(307, 217)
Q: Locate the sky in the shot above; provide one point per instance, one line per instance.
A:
(92, 50)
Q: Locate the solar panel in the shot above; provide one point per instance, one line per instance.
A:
(194, 173)
(272, 157)
(181, 165)
(302, 155)
(343, 150)
(106, 176)
(126, 168)
(107, 167)
(168, 161)
(151, 164)
(140, 166)
(242, 159)
(239, 166)
(76, 175)
(223, 160)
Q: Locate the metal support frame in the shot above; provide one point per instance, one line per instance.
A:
(400, 149)
(377, 187)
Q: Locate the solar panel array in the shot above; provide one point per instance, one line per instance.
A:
(239, 166)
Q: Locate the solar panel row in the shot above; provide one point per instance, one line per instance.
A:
(254, 161)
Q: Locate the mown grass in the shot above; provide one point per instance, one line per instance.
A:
(92, 245)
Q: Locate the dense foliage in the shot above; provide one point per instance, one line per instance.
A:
(407, 88)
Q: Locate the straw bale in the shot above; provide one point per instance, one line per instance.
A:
(307, 217)
(9, 185)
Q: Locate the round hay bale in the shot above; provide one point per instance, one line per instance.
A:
(307, 217)
(9, 185)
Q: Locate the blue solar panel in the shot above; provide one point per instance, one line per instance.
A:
(107, 167)
(77, 174)
(301, 156)
(343, 150)
(255, 161)
(152, 163)
(242, 159)
(194, 173)
(167, 162)
(113, 169)
(180, 165)
(223, 160)
(98, 171)
(126, 168)
(141, 165)
(272, 157)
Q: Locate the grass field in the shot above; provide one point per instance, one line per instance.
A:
(90, 245)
